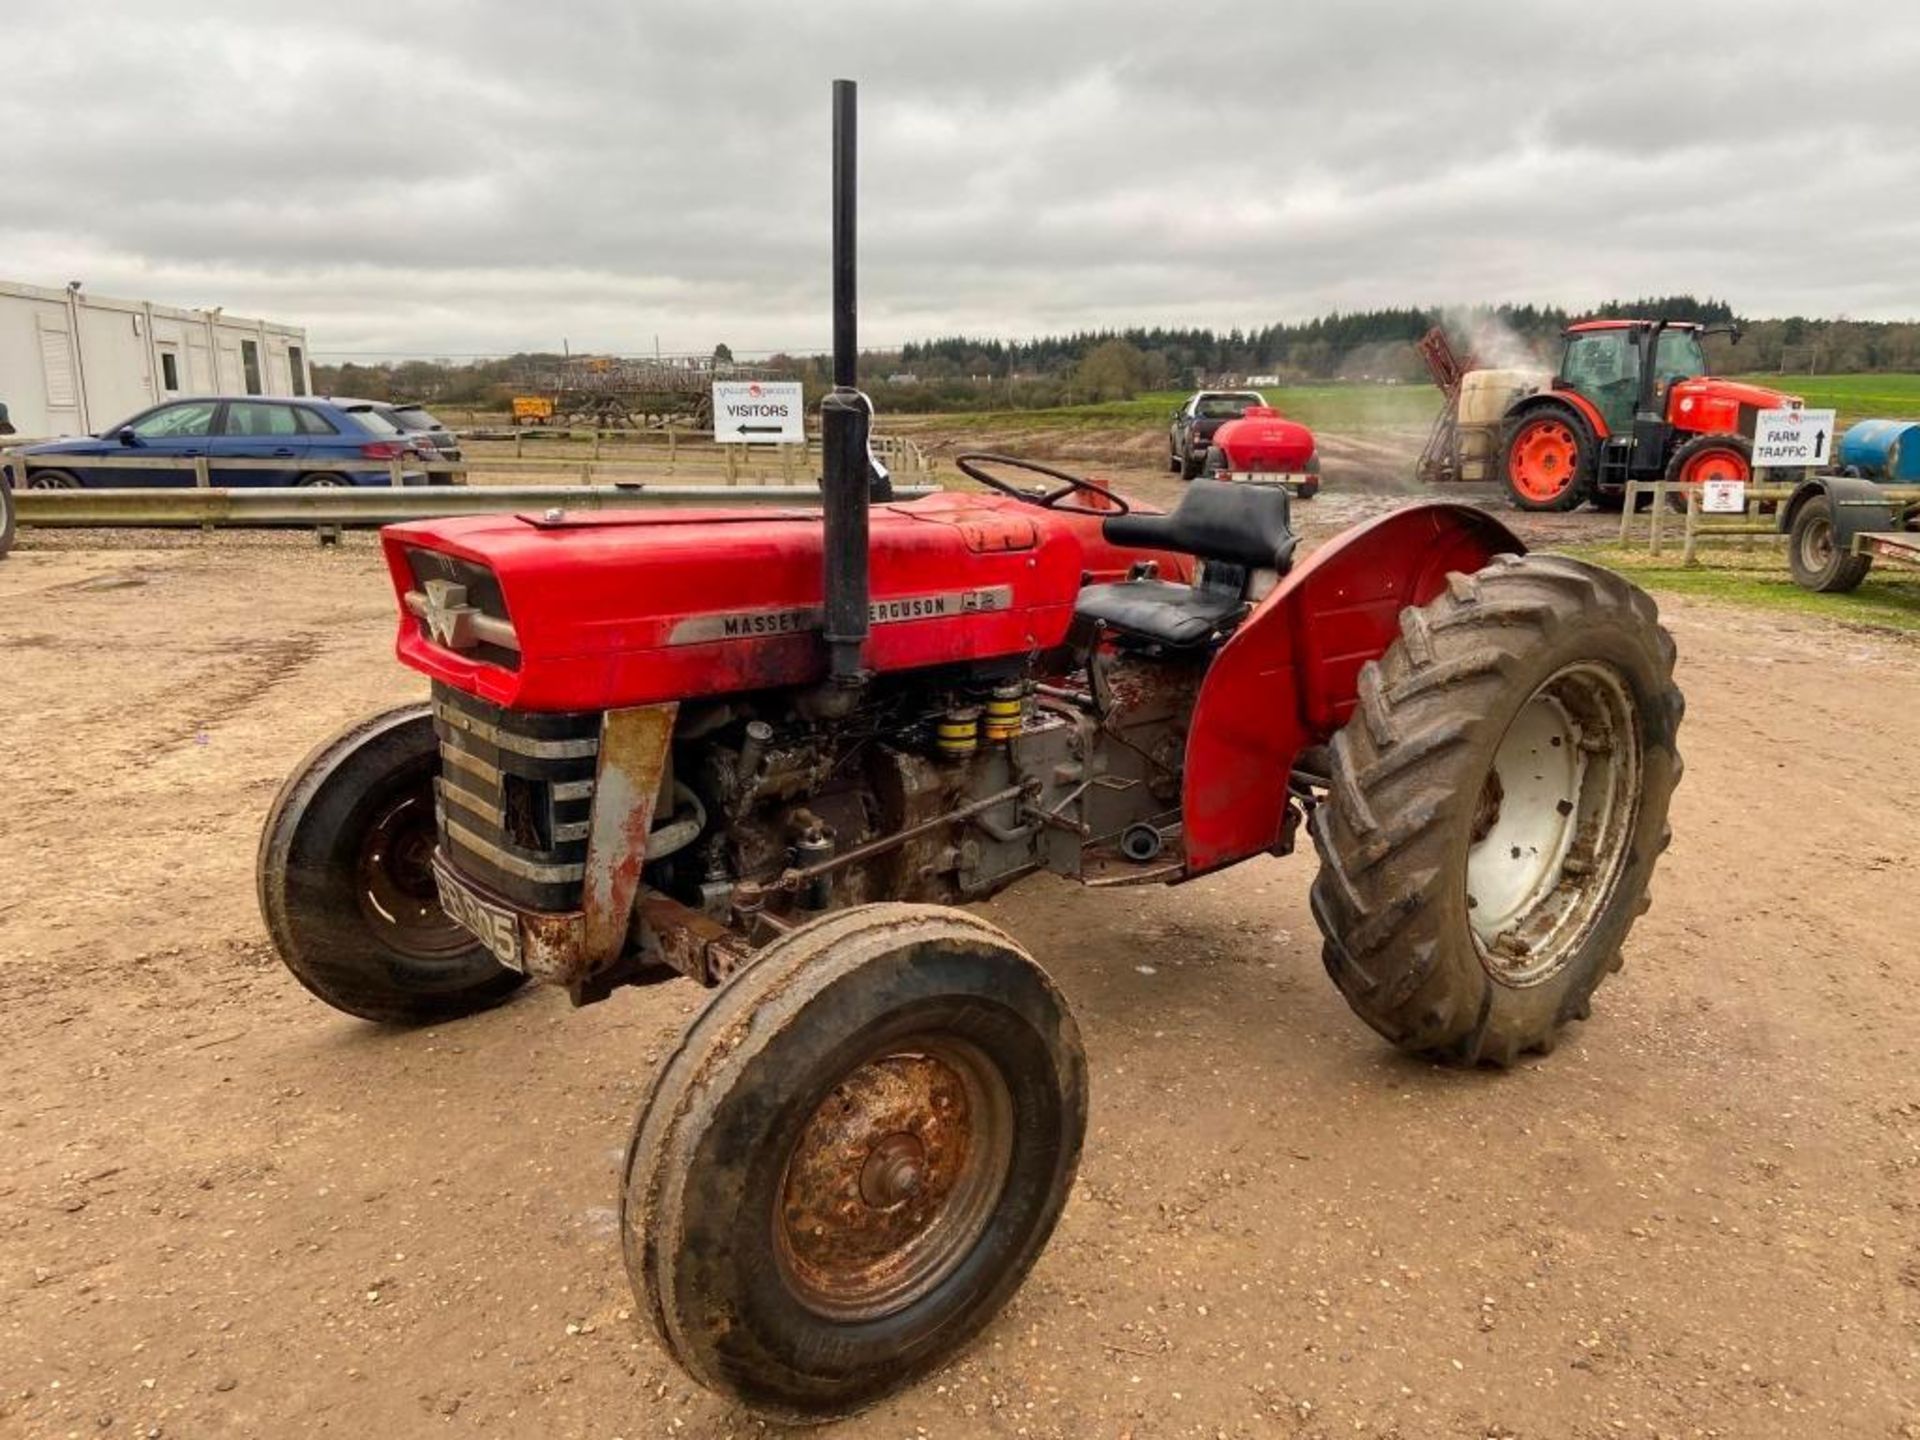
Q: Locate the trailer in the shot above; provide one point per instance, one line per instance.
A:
(1838, 525)
(72, 363)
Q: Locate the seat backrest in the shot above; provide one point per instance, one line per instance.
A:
(1226, 520)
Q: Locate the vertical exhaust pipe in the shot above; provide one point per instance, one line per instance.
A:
(845, 421)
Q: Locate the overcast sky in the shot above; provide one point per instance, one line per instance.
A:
(466, 178)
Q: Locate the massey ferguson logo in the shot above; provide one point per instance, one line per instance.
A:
(449, 618)
(759, 624)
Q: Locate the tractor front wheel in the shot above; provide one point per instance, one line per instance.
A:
(1499, 799)
(1708, 457)
(346, 880)
(853, 1158)
(1549, 461)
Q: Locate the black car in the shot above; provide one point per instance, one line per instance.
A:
(1194, 423)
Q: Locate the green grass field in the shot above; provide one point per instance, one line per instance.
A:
(1331, 407)
(1358, 408)
(1856, 397)
(1889, 599)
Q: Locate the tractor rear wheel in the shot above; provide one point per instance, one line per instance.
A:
(1816, 561)
(346, 881)
(1499, 799)
(1548, 459)
(853, 1158)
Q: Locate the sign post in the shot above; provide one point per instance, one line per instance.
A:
(1793, 439)
(759, 412)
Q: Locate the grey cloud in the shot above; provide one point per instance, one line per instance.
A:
(466, 177)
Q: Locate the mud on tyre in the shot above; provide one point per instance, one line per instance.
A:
(853, 1158)
(1499, 800)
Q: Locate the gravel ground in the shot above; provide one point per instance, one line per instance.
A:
(228, 1211)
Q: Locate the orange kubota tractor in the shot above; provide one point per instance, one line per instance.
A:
(1632, 400)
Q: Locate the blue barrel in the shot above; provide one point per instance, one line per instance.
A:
(1883, 450)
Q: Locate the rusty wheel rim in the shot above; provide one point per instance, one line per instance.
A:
(894, 1178)
(1545, 457)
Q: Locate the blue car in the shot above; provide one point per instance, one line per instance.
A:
(335, 442)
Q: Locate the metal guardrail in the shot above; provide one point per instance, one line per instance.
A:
(757, 464)
(366, 506)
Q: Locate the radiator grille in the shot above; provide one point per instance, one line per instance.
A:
(515, 792)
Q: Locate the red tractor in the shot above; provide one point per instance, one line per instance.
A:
(1632, 400)
(774, 756)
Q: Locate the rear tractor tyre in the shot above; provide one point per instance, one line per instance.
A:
(853, 1158)
(1548, 460)
(346, 881)
(1498, 801)
(1816, 562)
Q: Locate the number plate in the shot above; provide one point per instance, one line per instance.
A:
(1284, 478)
(494, 926)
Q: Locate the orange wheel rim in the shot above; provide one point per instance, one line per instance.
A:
(1544, 459)
(1715, 464)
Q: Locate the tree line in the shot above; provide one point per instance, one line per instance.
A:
(962, 372)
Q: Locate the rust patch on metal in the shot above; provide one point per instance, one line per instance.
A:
(892, 1181)
(691, 941)
(633, 757)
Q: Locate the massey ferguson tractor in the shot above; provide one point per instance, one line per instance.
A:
(1632, 400)
(775, 754)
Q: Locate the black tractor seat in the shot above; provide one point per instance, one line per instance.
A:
(1232, 527)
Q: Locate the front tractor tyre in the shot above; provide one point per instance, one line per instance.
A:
(1817, 562)
(1499, 799)
(346, 880)
(852, 1159)
(1548, 459)
(1704, 458)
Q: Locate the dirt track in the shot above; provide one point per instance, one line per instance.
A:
(227, 1211)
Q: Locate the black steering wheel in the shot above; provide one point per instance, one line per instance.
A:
(1108, 504)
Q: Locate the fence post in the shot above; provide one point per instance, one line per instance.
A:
(1659, 514)
(1693, 525)
(202, 480)
(733, 465)
(1626, 510)
(596, 444)
(519, 442)
(393, 471)
(786, 464)
(673, 439)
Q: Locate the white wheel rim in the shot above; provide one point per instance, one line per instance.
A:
(1551, 830)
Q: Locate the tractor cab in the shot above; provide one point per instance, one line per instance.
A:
(1625, 369)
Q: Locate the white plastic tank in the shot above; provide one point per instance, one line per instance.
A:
(1485, 395)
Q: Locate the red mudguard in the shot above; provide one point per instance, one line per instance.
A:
(1287, 679)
